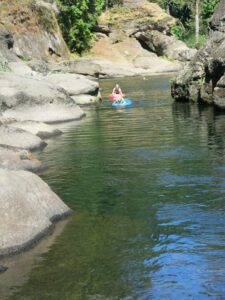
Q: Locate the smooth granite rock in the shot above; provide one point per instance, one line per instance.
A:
(19, 138)
(27, 98)
(28, 210)
(74, 84)
(37, 128)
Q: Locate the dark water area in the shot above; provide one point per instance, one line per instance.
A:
(148, 188)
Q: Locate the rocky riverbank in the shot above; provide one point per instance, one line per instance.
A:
(30, 102)
(203, 80)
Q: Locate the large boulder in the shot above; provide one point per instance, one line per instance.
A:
(19, 138)
(203, 78)
(138, 29)
(74, 84)
(128, 58)
(37, 128)
(28, 210)
(26, 98)
(165, 45)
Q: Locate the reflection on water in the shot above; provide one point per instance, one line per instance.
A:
(148, 185)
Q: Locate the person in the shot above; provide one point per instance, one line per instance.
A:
(118, 93)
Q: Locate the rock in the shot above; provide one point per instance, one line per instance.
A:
(6, 121)
(19, 138)
(135, 16)
(28, 210)
(128, 58)
(219, 93)
(20, 68)
(46, 113)
(37, 128)
(34, 29)
(25, 98)
(84, 66)
(12, 158)
(74, 84)
(138, 31)
(164, 45)
(156, 64)
(85, 99)
(203, 78)
(101, 28)
(3, 269)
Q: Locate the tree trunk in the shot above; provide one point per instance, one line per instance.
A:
(197, 13)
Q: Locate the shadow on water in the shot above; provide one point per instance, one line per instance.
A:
(148, 187)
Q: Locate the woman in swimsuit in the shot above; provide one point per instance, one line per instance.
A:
(118, 93)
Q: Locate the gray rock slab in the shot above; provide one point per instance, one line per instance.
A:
(28, 209)
(37, 128)
(19, 138)
(27, 98)
(74, 84)
(85, 99)
(47, 113)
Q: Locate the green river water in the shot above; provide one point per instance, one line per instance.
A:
(148, 188)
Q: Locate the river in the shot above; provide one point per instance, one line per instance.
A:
(148, 188)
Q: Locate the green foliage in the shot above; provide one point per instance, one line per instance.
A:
(177, 31)
(76, 19)
(208, 7)
(184, 11)
(191, 42)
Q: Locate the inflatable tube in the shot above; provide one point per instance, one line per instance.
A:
(123, 103)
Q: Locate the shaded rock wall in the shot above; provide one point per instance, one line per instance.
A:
(138, 23)
(203, 80)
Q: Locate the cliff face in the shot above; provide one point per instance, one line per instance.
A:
(137, 32)
(203, 78)
(30, 30)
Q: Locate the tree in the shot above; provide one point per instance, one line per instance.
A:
(197, 7)
(193, 15)
(76, 19)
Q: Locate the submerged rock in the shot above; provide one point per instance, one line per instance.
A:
(28, 210)
(3, 269)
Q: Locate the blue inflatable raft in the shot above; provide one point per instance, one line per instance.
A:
(123, 103)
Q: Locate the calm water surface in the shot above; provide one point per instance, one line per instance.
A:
(148, 187)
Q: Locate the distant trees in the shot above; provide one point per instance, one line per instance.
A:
(194, 17)
(76, 19)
